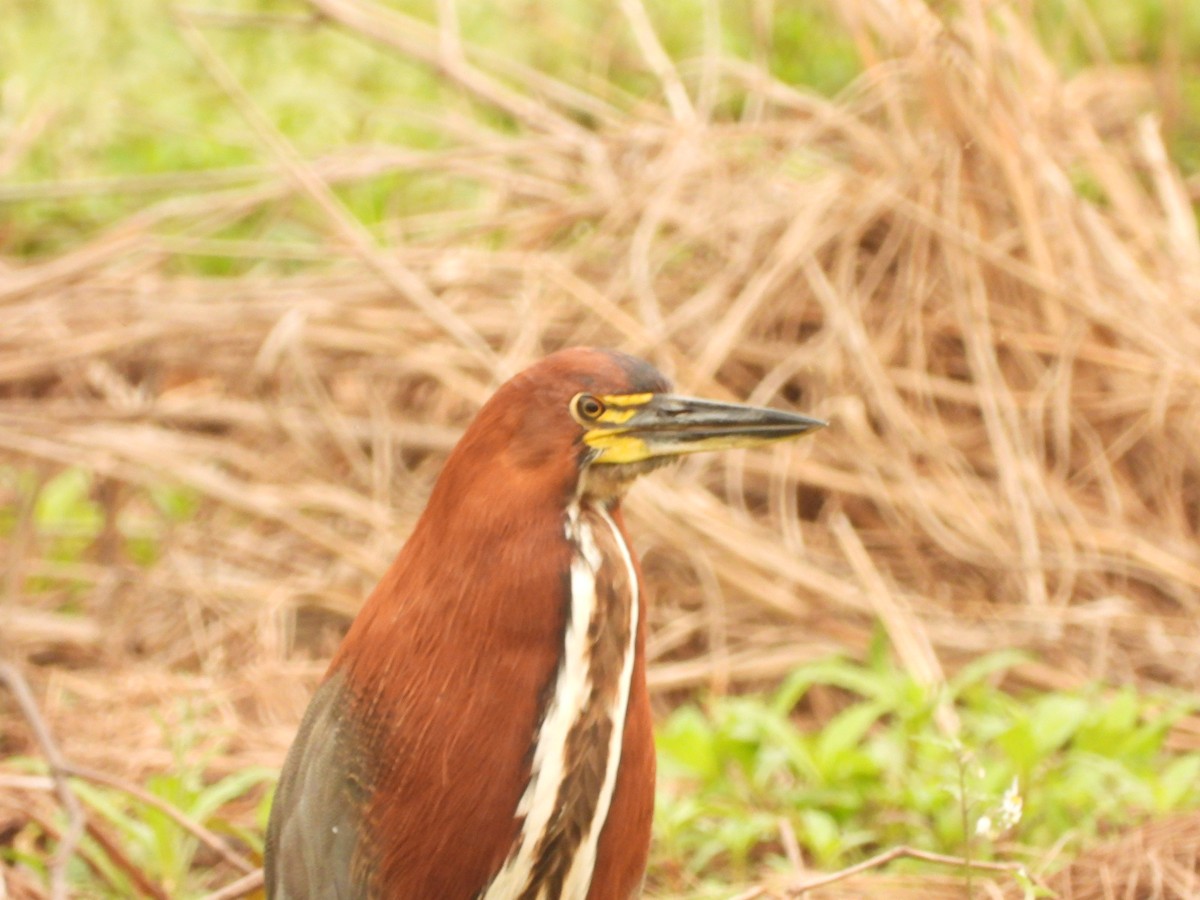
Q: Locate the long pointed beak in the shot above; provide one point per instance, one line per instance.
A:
(667, 425)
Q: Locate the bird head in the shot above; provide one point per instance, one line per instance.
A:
(593, 420)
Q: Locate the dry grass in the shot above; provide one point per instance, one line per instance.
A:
(986, 276)
(1161, 859)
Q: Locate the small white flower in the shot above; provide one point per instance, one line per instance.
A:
(1007, 814)
(1011, 806)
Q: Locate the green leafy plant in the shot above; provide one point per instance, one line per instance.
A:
(145, 837)
(1022, 770)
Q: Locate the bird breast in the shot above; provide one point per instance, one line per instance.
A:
(577, 746)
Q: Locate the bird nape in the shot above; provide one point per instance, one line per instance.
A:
(484, 729)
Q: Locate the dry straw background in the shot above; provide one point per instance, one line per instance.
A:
(1009, 363)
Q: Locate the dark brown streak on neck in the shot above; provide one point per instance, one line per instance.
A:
(589, 738)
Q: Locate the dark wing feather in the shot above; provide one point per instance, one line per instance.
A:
(313, 839)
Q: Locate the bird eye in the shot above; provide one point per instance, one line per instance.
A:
(588, 407)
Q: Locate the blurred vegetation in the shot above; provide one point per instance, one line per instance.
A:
(111, 91)
(881, 772)
(142, 844)
(98, 99)
(95, 97)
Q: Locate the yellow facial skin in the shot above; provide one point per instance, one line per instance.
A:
(620, 408)
(616, 447)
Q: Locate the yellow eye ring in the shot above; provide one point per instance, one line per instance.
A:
(587, 407)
